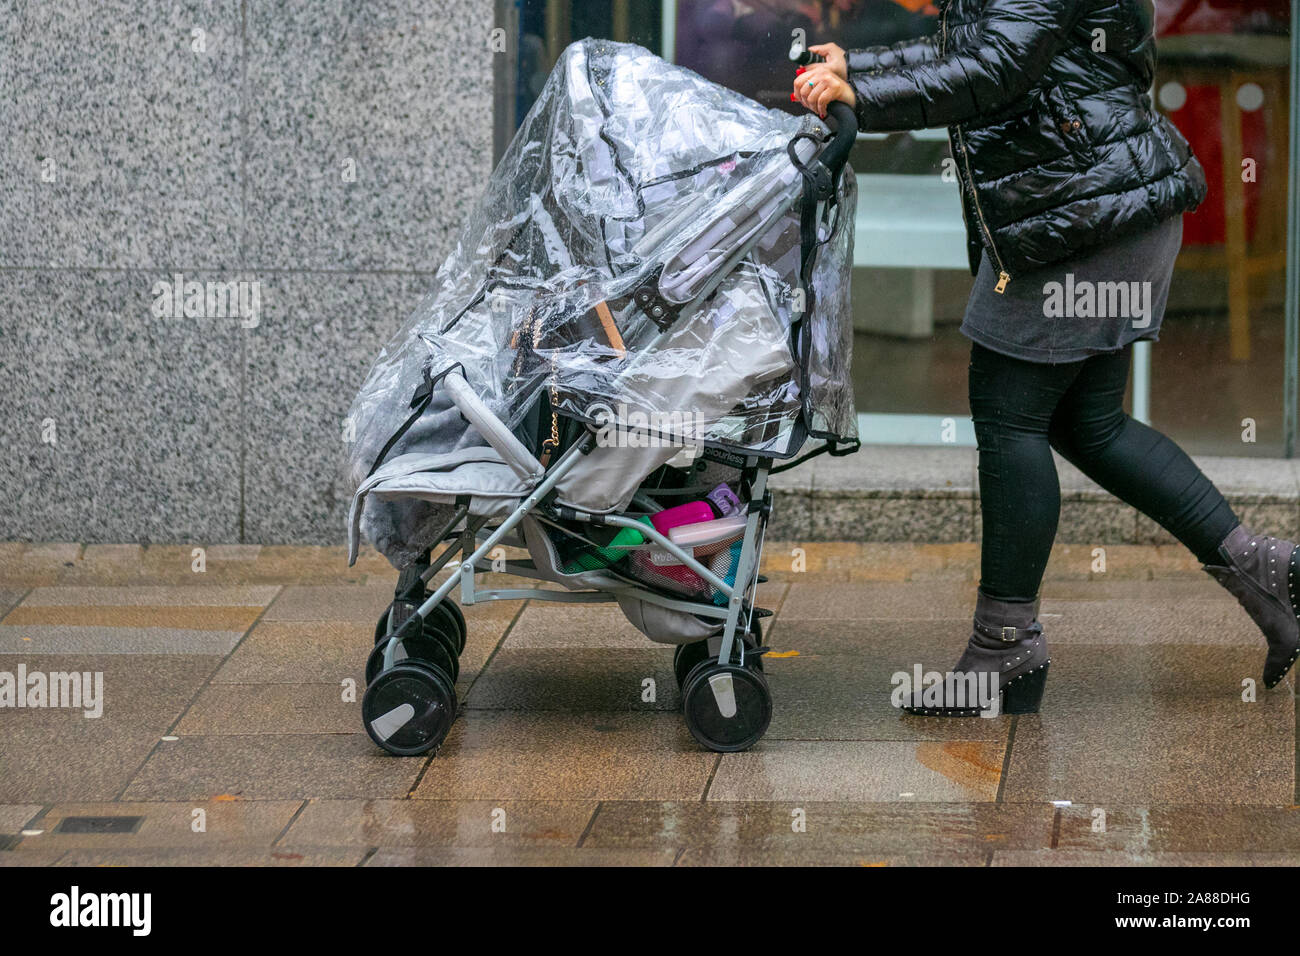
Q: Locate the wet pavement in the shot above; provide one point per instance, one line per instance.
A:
(229, 731)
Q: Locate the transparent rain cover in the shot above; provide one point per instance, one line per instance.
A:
(635, 258)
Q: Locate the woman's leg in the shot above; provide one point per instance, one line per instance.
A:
(1136, 463)
(1145, 469)
(1013, 403)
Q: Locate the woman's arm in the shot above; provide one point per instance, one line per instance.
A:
(891, 57)
(842, 62)
(1014, 42)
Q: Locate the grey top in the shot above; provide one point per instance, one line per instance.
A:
(1100, 302)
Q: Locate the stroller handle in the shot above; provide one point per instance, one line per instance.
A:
(844, 122)
(839, 117)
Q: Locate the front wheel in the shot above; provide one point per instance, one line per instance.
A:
(409, 708)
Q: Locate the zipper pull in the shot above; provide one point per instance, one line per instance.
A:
(1004, 280)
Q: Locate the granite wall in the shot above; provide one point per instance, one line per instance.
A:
(319, 153)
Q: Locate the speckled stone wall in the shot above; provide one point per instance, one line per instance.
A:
(320, 152)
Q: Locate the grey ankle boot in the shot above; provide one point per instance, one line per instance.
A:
(1261, 573)
(1008, 641)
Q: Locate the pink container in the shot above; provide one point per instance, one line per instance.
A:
(692, 512)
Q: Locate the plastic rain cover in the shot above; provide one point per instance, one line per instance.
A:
(634, 260)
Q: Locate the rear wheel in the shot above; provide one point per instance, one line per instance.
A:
(446, 615)
(686, 656)
(727, 707)
(431, 646)
(452, 619)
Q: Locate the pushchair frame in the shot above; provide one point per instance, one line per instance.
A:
(409, 706)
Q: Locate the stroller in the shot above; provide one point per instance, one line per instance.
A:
(647, 310)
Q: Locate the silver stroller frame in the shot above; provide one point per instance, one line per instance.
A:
(723, 658)
(475, 548)
(409, 707)
(476, 542)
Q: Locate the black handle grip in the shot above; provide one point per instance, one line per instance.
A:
(844, 123)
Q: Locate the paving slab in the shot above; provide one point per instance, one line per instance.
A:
(24, 639)
(919, 601)
(1194, 828)
(195, 826)
(1144, 724)
(578, 680)
(9, 597)
(30, 859)
(713, 856)
(220, 857)
(1084, 858)
(53, 755)
(154, 596)
(543, 625)
(520, 856)
(256, 709)
(493, 755)
(856, 828)
(441, 823)
(15, 816)
(272, 767)
(851, 696)
(1155, 724)
(299, 652)
(356, 602)
(861, 771)
(1155, 619)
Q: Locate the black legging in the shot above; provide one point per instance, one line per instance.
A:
(1020, 409)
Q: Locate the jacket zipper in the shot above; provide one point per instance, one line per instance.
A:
(1004, 277)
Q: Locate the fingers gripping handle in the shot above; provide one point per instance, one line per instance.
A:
(839, 117)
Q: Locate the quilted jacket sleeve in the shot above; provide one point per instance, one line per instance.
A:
(996, 61)
(907, 53)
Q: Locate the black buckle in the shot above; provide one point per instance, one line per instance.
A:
(646, 295)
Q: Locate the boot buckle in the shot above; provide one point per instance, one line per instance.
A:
(1009, 635)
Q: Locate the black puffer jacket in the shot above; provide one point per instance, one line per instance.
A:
(1057, 145)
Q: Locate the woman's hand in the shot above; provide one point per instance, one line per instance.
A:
(819, 86)
(835, 57)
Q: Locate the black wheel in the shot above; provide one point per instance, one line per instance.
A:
(686, 656)
(431, 646)
(447, 615)
(409, 708)
(727, 707)
(439, 633)
(452, 619)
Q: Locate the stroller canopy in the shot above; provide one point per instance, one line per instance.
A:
(635, 261)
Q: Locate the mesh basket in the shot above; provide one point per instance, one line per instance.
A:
(722, 558)
(577, 555)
